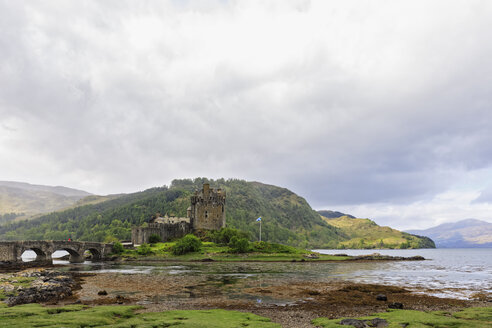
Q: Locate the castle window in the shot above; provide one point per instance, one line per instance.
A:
(206, 214)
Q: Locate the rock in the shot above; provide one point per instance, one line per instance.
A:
(395, 305)
(50, 286)
(102, 293)
(377, 322)
(120, 299)
(415, 258)
(381, 297)
(312, 256)
(7, 287)
(354, 323)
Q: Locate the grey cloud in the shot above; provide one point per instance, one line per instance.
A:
(338, 121)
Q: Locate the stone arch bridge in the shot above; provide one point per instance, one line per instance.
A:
(11, 251)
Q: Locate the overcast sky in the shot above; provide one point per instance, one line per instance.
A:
(382, 109)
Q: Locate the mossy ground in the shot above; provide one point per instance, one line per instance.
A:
(467, 318)
(267, 252)
(35, 315)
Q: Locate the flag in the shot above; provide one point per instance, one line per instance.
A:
(258, 219)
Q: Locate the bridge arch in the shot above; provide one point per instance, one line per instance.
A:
(41, 255)
(11, 251)
(95, 253)
(75, 256)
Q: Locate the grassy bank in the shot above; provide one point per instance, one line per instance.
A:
(34, 315)
(259, 251)
(467, 318)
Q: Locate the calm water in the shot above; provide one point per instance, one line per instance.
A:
(458, 273)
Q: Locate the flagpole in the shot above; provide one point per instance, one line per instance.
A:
(260, 231)
(259, 219)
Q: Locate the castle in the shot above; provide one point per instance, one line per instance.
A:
(207, 212)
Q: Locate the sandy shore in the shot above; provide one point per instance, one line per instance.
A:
(290, 303)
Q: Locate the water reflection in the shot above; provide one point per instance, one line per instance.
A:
(456, 273)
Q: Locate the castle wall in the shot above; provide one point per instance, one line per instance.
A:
(167, 231)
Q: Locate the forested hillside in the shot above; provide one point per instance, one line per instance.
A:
(287, 218)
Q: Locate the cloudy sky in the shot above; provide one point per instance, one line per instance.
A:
(381, 109)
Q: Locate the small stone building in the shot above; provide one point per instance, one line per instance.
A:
(207, 212)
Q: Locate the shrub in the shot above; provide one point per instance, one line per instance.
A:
(118, 248)
(265, 247)
(154, 238)
(239, 245)
(225, 235)
(187, 244)
(144, 249)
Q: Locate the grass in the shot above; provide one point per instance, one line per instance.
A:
(263, 252)
(467, 318)
(34, 315)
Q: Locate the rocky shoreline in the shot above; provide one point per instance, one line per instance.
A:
(313, 257)
(297, 302)
(36, 286)
(291, 303)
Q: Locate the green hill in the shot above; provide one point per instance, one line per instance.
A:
(364, 233)
(287, 218)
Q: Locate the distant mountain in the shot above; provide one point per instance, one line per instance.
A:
(469, 233)
(19, 199)
(333, 214)
(365, 233)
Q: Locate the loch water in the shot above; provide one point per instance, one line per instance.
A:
(446, 272)
(456, 273)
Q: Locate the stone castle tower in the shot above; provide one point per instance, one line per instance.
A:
(207, 210)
